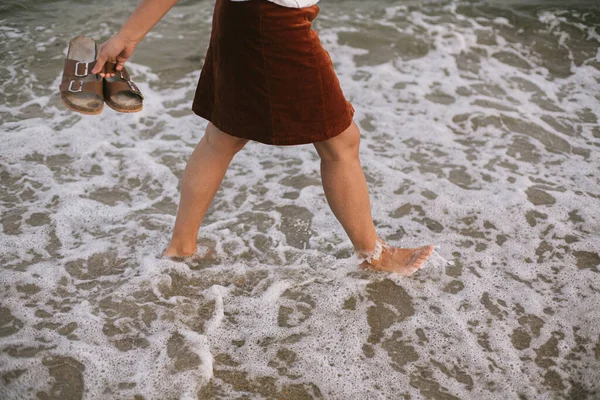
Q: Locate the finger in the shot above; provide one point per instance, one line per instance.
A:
(100, 61)
(120, 63)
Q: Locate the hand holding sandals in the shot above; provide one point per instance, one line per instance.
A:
(119, 48)
(95, 76)
(84, 90)
(115, 50)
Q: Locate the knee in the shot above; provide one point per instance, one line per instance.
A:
(345, 146)
(222, 142)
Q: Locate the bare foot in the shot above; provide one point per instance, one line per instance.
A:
(178, 253)
(404, 262)
(206, 257)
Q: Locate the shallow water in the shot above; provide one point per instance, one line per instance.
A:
(480, 134)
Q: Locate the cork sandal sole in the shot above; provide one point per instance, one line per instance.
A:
(120, 108)
(79, 108)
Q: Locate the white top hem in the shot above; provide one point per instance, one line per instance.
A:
(291, 3)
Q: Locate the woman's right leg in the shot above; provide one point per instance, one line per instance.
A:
(201, 179)
(346, 191)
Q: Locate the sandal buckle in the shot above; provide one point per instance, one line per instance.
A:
(85, 72)
(80, 89)
(133, 88)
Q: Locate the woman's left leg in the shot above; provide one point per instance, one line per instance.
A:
(348, 196)
(201, 179)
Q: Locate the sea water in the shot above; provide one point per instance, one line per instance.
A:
(480, 134)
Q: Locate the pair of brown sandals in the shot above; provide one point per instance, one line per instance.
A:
(85, 92)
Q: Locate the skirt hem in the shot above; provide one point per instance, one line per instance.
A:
(290, 140)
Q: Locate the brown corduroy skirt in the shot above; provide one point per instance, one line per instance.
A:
(267, 78)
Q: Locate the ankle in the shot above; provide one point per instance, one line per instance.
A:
(373, 255)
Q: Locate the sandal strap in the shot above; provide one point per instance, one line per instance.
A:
(78, 69)
(111, 68)
(81, 69)
(112, 88)
(79, 85)
(124, 84)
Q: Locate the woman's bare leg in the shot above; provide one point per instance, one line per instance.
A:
(347, 193)
(201, 179)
